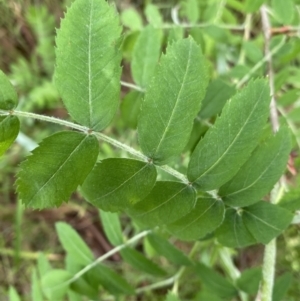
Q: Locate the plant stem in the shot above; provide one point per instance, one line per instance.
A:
(99, 135)
(107, 255)
(132, 86)
(269, 261)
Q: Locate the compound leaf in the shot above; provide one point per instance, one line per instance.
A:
(8, 95)
(167, 202)
(265, 221)
(88, 62)
(9, 130)
(207, 215)
(229, 143)
(172, 101)
(260, 173)
(73, 244)
(55, 169)
(145, 55)
(233, 232)
(115, 184)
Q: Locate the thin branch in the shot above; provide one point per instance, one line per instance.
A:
(202, 25)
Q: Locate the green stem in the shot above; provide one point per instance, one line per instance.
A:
(99, 135)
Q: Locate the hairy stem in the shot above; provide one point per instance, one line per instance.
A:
(99, 135)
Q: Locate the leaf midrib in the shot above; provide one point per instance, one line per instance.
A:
(176, 102)
(254, 182)
(60, 167)
(89, 63)
(233, 142)
(122, 184)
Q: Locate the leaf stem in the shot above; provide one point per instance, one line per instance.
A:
(132, 86)
(107, 255)
(99, 135)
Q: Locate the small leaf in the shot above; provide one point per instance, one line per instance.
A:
(282, 285)
(55, 169)
(172, 297)
(284, 10)
(252, 6)
(112, 227)
(82, 287)
(8, 95)
(166, 203)
(172, 101)
(130, 108)
(215, 282)
(72, 296)
(73, 244)
(88, 68)
(265, 221)
(207, 215)
(145, 55)
(229, 143)
(36, 292)
(110, 280)
(55, 284)
(260, 173)
(249, 280)
(192, 10)
(233, 232)
(141, 263)
(131, 19)
(9, 130)
(218, 92)
(115, 184)
(153, 15)
(13, 294)
(163, 247)
(43, 264)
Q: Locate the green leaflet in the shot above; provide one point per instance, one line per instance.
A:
(8, 95)
(218, 92)
(115, 184)
(172, 101)
(281, 286)
(284, 10)
(249, 280)
(233, 232)
(112, 227)
(36, 291)
(192, 10)
(167, 202)
(88, 60)
(141, 263)
(215, 282)
(110, 280)
(9, 130)
(252, 6)
(13, 294)
(55, 285)
(153, 15)
(172, 297)
(132, 19)
(229, 143)
(163, 247)
(207, 215)
(145, 55)
(266, 221)
(55, 169)
(260, 173)
(130, 108)
(73, 244)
